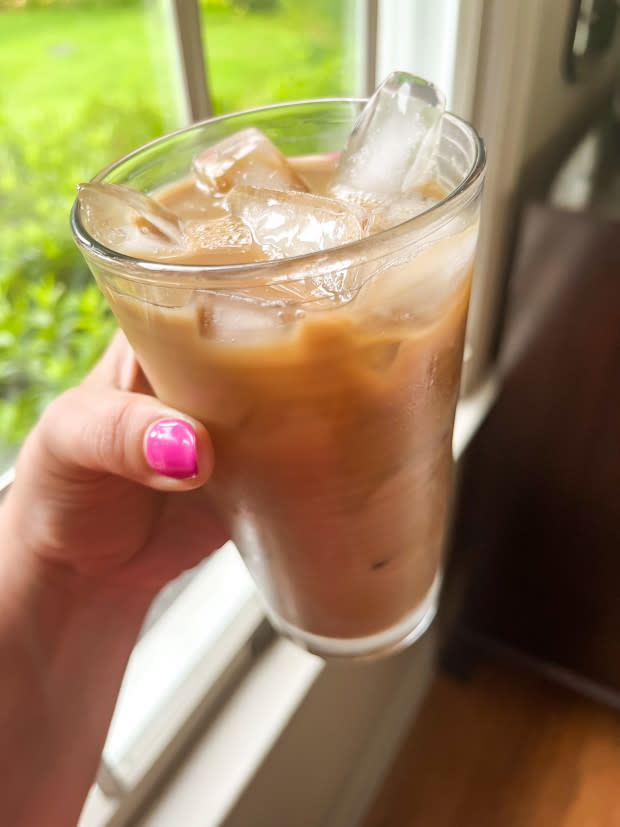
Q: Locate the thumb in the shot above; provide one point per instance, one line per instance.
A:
(90, 430)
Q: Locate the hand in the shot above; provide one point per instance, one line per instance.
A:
(106, 507)
(87, 497)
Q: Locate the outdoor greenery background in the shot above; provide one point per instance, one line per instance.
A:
(79, 88)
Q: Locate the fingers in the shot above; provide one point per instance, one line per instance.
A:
(93, 430)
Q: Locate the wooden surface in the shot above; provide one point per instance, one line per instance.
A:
(504, 749)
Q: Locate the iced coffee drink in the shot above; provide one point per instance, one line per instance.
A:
(302, 289)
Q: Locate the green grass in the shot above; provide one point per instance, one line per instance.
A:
(260, 59)
(56, 58)
(82, 84)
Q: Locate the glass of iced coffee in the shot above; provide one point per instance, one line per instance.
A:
(297, 277)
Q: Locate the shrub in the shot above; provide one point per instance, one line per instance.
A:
(54, 322)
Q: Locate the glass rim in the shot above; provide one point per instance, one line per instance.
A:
(342, 256)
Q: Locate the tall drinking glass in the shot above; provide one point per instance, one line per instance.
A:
(331, 415)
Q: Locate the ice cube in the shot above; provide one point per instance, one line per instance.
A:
(225, 240)
(248, 158)
(391, 213)
(288, 224)
(228, 318)
(418, 287)
(128, 221)
(306, 292)
(381, 211)
(392, 143)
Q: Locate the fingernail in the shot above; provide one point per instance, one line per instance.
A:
(170, 448)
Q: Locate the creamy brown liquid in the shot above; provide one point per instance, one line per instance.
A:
(332, 438)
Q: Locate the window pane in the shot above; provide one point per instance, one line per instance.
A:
(263, 51)
(77, 91)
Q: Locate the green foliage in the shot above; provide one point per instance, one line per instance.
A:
(53, 320)
(49, 337)
(11, 5)
(258, 5)
(215, 5)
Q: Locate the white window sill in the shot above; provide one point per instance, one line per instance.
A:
(238, 741)
(217, 604)
(299, 742)
(239, 738)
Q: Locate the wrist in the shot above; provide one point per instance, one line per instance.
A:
(62, 625)
(64, 641)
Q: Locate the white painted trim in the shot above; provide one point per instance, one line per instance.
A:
(509, 31)
(366, 33)
(300, 783)
(185, 23)
(465, 66)
(219, 768)
(420, 37)
(186, 634)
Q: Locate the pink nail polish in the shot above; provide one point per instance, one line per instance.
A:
(170, 448)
